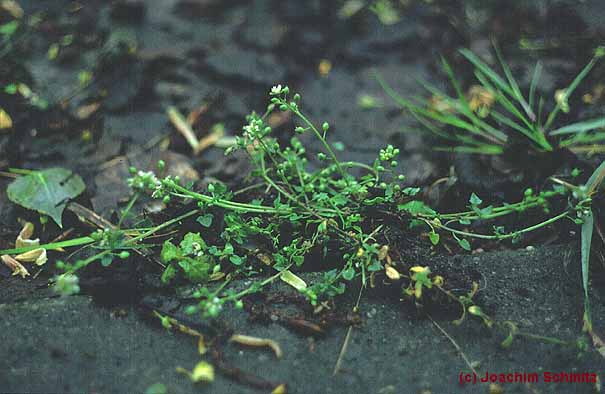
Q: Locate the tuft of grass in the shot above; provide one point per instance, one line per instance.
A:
(484, 120)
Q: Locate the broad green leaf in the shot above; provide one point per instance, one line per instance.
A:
(464, 244)
(434, 237)
(168, 274)
(416, 207)
(192, 243)
(47, 191)
(169, 252)
(205, 220)
(348, 273)
(475, 200)
(236, 260)
(8, 29)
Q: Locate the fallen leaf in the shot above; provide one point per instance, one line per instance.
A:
(293, 280)
(23, 239)
(5, 120)
(392, 273)
(201, 345)
(257, 342)
(383, 252)
(15, 266)
(85, 111)
(37, 256)
(13, 8)
(180, 124)
(202, 372)
(47, 191)
(281, 389)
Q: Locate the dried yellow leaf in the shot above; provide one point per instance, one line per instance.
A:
(201, 346)
(5, 120)
(417, 269)
(265, 258)
(15, 266)
(383, 252)
(13, 8)
(257, 342)
(37, 256)
(478, 97)
(495, 388)
(392, 273)
(23, 239)
(324, 67)
(360, 252)
(202, 372)
(281, 389)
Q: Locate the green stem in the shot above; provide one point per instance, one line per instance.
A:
(499, 237)
(231, 205)
(51, 246)
(138, 238)
(322, 139)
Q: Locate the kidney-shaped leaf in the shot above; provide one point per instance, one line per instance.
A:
(47, 191)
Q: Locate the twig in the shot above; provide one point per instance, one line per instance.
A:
(180, 123)
(458, 348)
(345, 343)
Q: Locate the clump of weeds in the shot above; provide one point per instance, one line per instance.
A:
(294, 214)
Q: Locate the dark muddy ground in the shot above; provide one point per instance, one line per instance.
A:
(226, 55)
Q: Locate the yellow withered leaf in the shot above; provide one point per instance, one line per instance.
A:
(202, 372)
(392, 273)
(281, 389)
(258, 342)
(37, 256)
(24, 237)
(201, 345)
(417, 269)
(383, 252)
(5, 120)
(14, 265)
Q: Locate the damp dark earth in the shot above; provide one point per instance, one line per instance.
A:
(347, 196)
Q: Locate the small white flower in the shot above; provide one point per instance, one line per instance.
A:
(276, 90)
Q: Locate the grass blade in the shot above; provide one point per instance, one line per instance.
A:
(596, 179)
(517, 95)
(580, 127)
(503, 100)
(483, 149)
(570, 89)
(494, 134)
(587, 228)
(449, 119)
(534, 82)
(487, 71)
